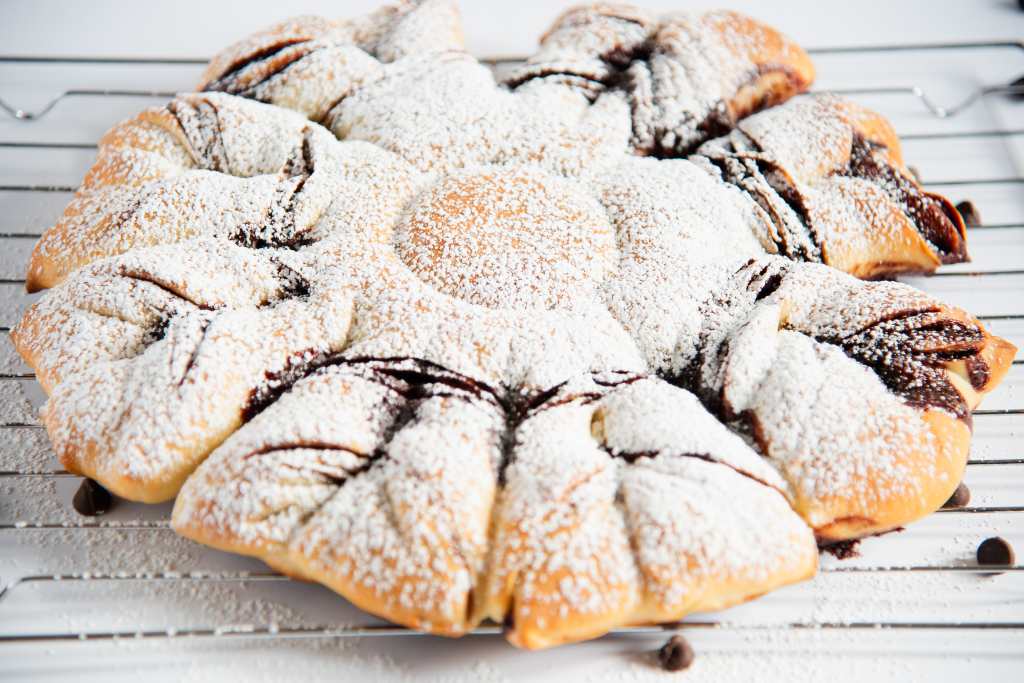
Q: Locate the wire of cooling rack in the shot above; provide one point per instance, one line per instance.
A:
(276, 631)
(1014, 88)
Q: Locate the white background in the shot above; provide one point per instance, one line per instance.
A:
(200, 27)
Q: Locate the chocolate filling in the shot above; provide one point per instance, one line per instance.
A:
(978, 371)
(719, 121)
(200, 125)
(367, 459)
(277, 382)
(769, 287)
(908, 350)
(415, 384)
(294, 284)
(618, 59)
(587, 82)
(414, 378)
(158, 331)
(231, 80)
(143, 276)
(937, 223)
(909, 353)
(194, 356)
(841, 550)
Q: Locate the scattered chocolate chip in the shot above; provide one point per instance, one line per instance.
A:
(995, 551)
(676, 654)
(913, 169)
(969, 212)
(91, 499)
(960, 498)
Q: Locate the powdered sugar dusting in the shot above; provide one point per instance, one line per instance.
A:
(682, 72)
(311, 63)
(476, 358)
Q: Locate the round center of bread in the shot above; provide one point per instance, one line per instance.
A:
(508, 239)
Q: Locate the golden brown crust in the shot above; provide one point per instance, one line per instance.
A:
(141, 150)
(783, 68)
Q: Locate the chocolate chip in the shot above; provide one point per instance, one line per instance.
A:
(960, 498)
(995, 551)
(91, 499)
(969, 212)
(1019, 81)
(676, 654)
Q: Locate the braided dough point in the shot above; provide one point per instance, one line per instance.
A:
(161, 371)
(403, 516)
(859, 392)
(387, 490)
(220, 167)
(628, 523)
(310, 63)
(161, 178)
(687, 77)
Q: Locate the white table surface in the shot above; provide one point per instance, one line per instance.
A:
(192, 28)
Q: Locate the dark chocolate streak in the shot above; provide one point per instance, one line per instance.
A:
(416, 380)
(908, 353)
(721, 119)
(294, 284)
(367, 459)
(142, 276)
(276, 383)
(157, 331)
(932, 218)
(200, 125)
(770, 285)
(278, 70)
(413, 384)
(420, 378)
(541, 72)
(228, 80)
(908, 349)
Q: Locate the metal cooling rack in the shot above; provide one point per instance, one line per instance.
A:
(980, 279)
